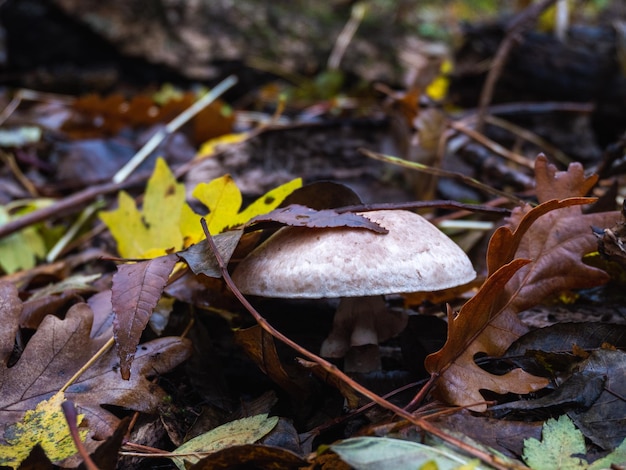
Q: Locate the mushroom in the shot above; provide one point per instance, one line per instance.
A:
(358, 266)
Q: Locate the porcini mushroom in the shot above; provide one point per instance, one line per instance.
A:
(358, 266)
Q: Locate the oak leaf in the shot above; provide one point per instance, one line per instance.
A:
(537, 254)
(58, 349)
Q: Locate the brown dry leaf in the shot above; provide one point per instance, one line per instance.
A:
(549, 242)
(94, 116)
(296, 215)
(200, 257)
(58, 349)
(136, 290)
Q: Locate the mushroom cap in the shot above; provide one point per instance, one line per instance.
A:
(310, 263)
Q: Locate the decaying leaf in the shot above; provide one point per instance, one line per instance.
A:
(296, 215)
(136, 290)
(201, 259)
(480, 327)
(238, 432)
(604, 422)
(552, 238)
(563, 447)
(46, 426)
(55, 353)
(261, 457)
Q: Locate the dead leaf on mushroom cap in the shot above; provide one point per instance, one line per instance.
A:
(553, 236)
(296, 215)
(58, 349)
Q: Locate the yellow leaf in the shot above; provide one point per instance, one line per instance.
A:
(238, 432)
(155, 229)
(46, 426)
(438, 88)
(211, 146)
(190, 227)
(223, 199)
(167, 222)
(126, 226)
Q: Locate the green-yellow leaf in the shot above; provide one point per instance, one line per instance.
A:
(46, 426)
(223, 199)
(560, 442)
(239, 432)
(364, 453)
(20, 250)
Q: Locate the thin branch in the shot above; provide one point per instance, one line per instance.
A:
(490, 144)
(436, 204)
(514, 29)
(346, 35)
(172, 127)
(439, 172)
(70, 204)
(79, 200)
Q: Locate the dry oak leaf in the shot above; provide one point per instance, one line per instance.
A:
(58, 349)
(538, 254)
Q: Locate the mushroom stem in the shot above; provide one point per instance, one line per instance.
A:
(361, 321)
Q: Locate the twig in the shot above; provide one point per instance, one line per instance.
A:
(490, 144)
(172, 127)
(19, 175)
(531, 137)
(490, 459)
(535, 107)
(67, 237)
(515, 27)
(347, 33)
(80, 199)
(31, 95)
(71, 416)
(437, 204)
(69, 204)
(101, 352)
(439, 172)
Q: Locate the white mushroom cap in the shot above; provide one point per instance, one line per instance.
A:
(299, 262)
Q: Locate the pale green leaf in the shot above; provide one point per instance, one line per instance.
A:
(616, 458)
(560, 442)
(20, 250)
(372, 453)
(239, 432)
